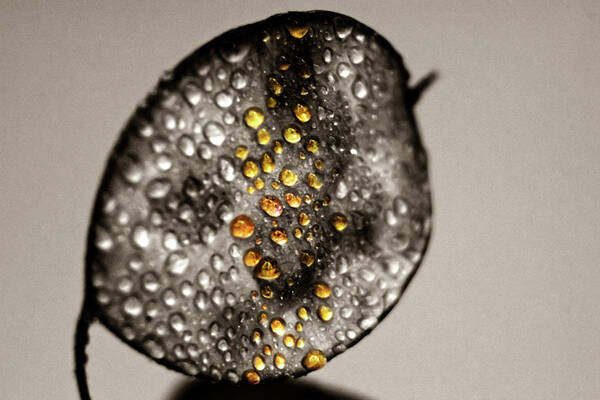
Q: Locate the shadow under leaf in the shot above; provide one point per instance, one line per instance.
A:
(287, 390)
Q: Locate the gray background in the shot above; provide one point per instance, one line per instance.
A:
(506, 305)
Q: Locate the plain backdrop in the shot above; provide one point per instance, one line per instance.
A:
(507, 302)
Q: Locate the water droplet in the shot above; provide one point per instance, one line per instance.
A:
(177, 263)
(224, 99)
(140, 236)
(214, 133)
(359, 88)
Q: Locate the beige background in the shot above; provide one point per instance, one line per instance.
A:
(507, 303)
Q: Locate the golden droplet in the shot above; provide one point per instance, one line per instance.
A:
(284, 67)
(250, 169)
(289, 341)
(263, 136)
(314, 359)
(313, 181)
(279, 236)
(326, 200)
(297, 233)
(303, 219)
(303, 91)
(307, 199)
(271, 205)
(267, 292)
(309, 236)
(278, 326)
(298, 31)
(302, 112)
(317, 206)
(263, 318)
(254, 294)
(302, 313)
(275, 185)
(299, 327)
(252, 377)
(259, 363)
(274, 86)
(339, 222)
(250, 189)
(325, 313)
(259, 184)
(254, 117)
(300, 343)
(271, 102)
(322, 290)
(267, 163)
(302, 156)
(268, 270)
(279, 361)
(264, 307)
(303, 70)
(319, 164)
(292, 134)
(252, 257)
(312, 145)
(277, 147)
(267, 350)
(241, 152)
(256, 336)
(288, 177)
(293, 200)
(242, 227)
(306, 258)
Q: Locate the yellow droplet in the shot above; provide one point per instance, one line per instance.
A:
(267, 163)
(322, 291)
(268, 270)
(254, 294)
(292, 134)
(250, 189)
(289, 341)
(275, 185)
(256, 336)
(274, 86)
(306, 258)
(264, 307)
(271, 102)
(284, 67)
(267, 350)
(287, 177)
(271, 205)
(302, 156)
(250, 169)
(252, 257)
(297, 233)
(277, 147)
(298, 31)
(326, 200)
(279, 361)
(242, 227)
(302, 112)
(299, 327)
(241, 152)
(259, 183)
(303, 70)
(303, 219)
(312, 145)
(254, 117)
(319, 164)
(300, 343)
(263, 136)
(303, 92)
(302, 313)
(279, 236)
(339, 222)
(307, 199)
(314, 181)
(263, 318)
(278, 326)
(325, 313)
(293, 200)
(252, 377)
(259, 363)
(267, 292)
(314, 359)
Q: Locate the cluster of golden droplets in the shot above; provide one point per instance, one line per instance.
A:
(258, 171)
